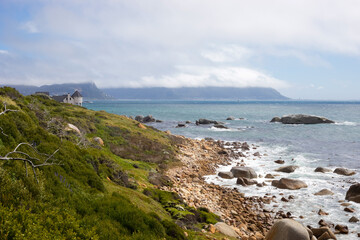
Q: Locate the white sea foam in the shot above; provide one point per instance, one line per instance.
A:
(223, 129)
(305, 204)
(346, 123)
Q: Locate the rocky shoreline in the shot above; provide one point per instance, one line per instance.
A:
(250, 217)
(247, 215)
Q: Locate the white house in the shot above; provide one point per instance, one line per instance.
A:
(76, 98)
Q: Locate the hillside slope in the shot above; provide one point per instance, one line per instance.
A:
(91, 188)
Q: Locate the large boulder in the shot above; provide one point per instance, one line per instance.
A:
(324, 192)
(72, 128)
(322, 170)
(353, 194)
(139, 118)
(226, 175)
(205, 121)
(226, 229)
(246, 181)
(220, 126)
(301, 119)
(344, 171)
(288, 229)
(287, 169)
(287, 183)
(148, 119)
(245, 172)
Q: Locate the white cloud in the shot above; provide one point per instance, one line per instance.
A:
(30, 27)
(227, 53)
(201, 76)
(140, 43)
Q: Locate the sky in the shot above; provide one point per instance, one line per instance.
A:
(304, 49)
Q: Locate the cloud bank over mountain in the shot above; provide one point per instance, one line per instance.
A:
(175, 43)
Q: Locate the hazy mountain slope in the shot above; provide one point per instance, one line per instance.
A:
(250, 93)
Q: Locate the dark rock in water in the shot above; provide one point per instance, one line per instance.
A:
(287, 169)
(350, 210)
(220, 126)
(288, 229)
(245, 146)
(226, 175)
(245, 181)
(324, 192)
(323, 233)
(343, 229)
(181, 125)
(276, 119)
(322, 170)
(322, 212)
(344, 171)
(287, 183)
(257, 154)
(205, 121)
(353, 219)
(188, 122)
(301, 119)
(148, 119)
(353, 194)
(241, 118)
(209, 139)
(139, 118)
(279, 161)
(230, 118)
(158, 121)
(324, 223)
(245, 172)
(269, 176)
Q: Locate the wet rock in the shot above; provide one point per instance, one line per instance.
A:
(230, 118)
(257, 154)
(288, 229)
(245, 172)
(287, 169)
(226, 229)
(181, 125)
(324, 223)
(301, 119)
(139, 118)
(353, 219)
(188, 122)
(344, 171)
(322, 212)
(319, 233)
(350, 210)
(287, 183)
(220, 126)
(324, 192)
(279, 161)
(226, 175)
(353, 194)
(322, 170)
(284, 199)
(245, 146)
(245, 181)
(269, 176)
(343, 229)
(205, 121)
(148, 119)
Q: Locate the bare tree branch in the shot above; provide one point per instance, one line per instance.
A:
(7, 110)
(34, 162)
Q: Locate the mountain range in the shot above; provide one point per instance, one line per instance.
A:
(91, 91)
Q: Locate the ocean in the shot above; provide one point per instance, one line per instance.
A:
(307, 146)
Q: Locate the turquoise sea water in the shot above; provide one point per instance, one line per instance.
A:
(307, 146)
(329, 144)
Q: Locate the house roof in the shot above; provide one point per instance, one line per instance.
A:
(59, 98)
(76, 94)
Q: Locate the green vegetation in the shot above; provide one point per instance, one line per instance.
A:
(96, 192)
